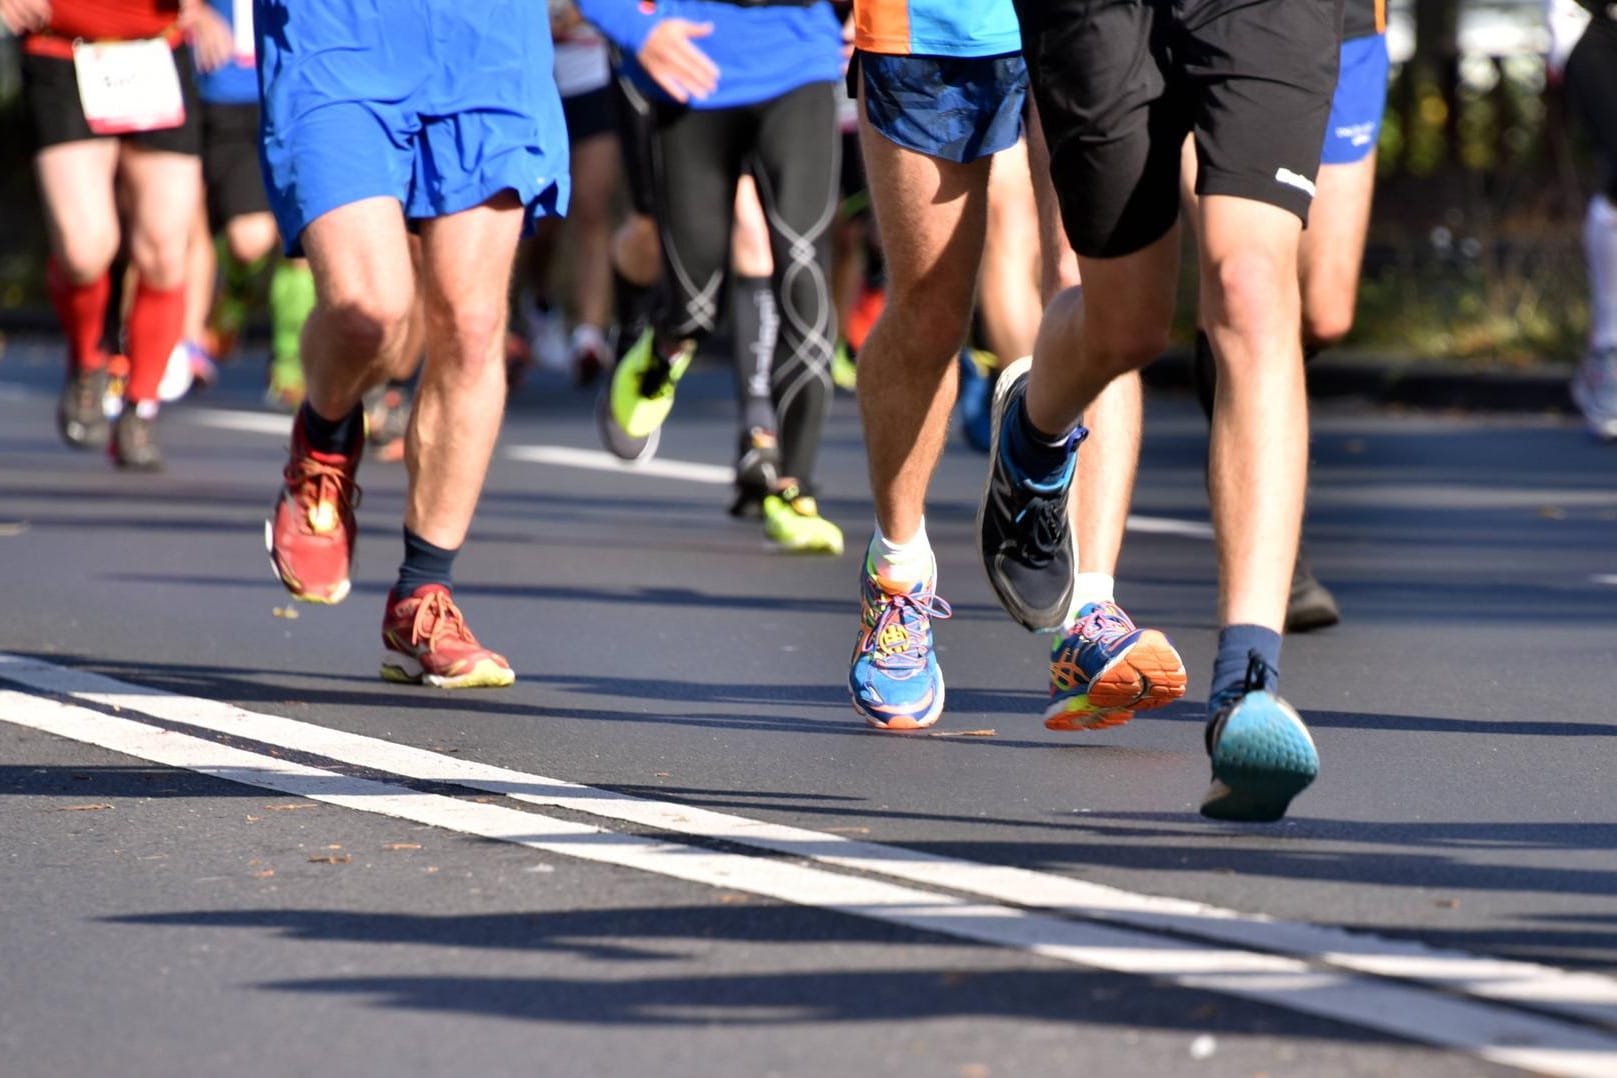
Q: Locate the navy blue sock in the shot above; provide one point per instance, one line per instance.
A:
(1236, 643)
(326, 436)
(1041, 457)
(423, 564)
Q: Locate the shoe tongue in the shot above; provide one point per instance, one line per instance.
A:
(336, 460)
(426, 590)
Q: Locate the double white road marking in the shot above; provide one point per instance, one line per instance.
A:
(1514, 1013)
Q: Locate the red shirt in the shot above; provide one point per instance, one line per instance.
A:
(96, 20)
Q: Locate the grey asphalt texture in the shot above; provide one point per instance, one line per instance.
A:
(1464, 713)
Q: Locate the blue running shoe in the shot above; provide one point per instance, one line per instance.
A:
(894, 680)
(1104, 669)
(1262, 753)
(973, 407)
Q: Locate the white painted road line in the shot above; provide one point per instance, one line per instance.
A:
(1584, 996)
(1489, 1032)
(598, 460)
(234, 419)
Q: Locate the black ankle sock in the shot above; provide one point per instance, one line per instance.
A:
(632, 304)
(331, 436)
(1040, 456)
(1236, 643)
(423, 564)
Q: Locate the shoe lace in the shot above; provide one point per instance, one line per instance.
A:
(1104, 624)
(322, 488)
(1039, 544)
(657, 379)
(1258, 677)
(88, 390)
(898, 636)
(438, 619)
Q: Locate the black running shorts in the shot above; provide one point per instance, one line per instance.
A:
(51, 92)
(1119, 84)
(234, 182)
(1591, 82)
(590, 114)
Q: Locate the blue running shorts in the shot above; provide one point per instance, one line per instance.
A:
(1360, 102)
(954, 108)
(440, 104)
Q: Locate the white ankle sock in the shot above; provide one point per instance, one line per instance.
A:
(1090, 588)
(908, 562)
(1600, 248)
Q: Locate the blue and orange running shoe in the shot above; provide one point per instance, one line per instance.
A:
(894, 680)
(1103, 669)
(973, 402)
(1262, 754)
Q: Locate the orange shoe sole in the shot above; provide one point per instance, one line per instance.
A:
(1148, 675)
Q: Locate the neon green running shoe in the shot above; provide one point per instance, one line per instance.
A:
(844, 374)
(792, 521)
(286, 387)
(642, 390)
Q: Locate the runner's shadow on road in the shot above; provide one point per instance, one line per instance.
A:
(656, 970)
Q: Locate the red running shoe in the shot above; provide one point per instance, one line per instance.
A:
(426, 642)
(310, 534)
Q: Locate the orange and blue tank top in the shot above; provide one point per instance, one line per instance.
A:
(936, 27)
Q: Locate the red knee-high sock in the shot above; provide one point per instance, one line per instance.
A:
(82, 310)
(155, 323)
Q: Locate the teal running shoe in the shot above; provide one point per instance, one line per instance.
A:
(1263, 755)
(894, 679)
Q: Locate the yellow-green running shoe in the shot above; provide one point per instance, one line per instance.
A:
(642, 390)
(844, 373)
(792, 520)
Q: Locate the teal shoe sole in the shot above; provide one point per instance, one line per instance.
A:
(1264, 757)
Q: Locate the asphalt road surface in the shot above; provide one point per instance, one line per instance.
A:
(673, 849)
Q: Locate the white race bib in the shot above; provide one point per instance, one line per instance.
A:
(128, 86)
(241, 24)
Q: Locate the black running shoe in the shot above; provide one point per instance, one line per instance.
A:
(757, 472)
(134, 443)
(81, 412)
(1022, 529)
(1311, 606)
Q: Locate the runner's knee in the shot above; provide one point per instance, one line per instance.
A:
(1252, 289)
(1326, 323)
(363, 323)
(474, 327)
(159, 257)
(250, 236)
(86, 254)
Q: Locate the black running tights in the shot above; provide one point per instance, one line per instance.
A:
(790, 146)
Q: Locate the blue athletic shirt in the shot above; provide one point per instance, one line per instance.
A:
(236, 83)
(761, 52)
